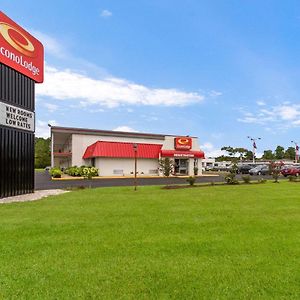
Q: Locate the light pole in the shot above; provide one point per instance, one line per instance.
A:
(254, 145)
(296, 151)
(135, 148)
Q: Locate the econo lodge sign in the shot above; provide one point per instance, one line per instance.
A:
(20, 50)
(183, 143)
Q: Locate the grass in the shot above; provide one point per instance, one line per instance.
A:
(226, 242)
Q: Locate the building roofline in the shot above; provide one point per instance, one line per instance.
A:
(109, 132)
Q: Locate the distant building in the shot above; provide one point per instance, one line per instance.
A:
(113, 151)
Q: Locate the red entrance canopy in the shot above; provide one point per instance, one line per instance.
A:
(182, 154)
(121, 150)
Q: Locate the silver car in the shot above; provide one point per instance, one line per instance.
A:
(260, 170)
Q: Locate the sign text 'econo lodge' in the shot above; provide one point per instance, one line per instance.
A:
(20, 50)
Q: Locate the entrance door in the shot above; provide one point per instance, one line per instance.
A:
(181, 166)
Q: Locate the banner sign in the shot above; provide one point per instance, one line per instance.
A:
(20, 50)
(189, 155)
(16, 117)
(183, 143)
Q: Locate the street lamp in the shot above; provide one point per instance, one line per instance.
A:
(254, 145)
(296, 151)
(135, 148)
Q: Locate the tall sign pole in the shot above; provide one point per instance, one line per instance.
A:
(135, 148)
(21, 65)
(254, 146)
(296, 151)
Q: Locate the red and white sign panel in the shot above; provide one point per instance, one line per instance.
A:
(20, 50)
(183, 143)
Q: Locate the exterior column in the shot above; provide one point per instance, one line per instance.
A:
(191, 167)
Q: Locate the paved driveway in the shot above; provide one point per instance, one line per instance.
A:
(44, 182)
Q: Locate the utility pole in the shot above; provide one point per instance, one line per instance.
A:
(254, 147)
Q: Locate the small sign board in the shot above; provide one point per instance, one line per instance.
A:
(183, 143)
(16, 117)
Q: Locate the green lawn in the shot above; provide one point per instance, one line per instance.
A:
(222, 242)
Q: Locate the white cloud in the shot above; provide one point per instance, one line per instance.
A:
(288, 112)
(214, 93)
(106, 13)
(42, 129)
(125, 128)
(210, 150)
(51, 45)
(51, 107)
(285, 115)
(261, 103)
(110, 91)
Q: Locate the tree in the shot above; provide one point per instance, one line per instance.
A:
(228, 149)
(42, 157)
(290, 153)
(268, 154)
(279, 152)
(241, 151)
(249, 155)
(166, 166)
(233, 151)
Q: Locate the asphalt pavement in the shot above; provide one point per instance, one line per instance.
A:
(43, 181)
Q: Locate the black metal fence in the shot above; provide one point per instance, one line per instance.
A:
(16, 146)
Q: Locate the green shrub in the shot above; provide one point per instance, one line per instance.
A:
(166, 166)
(230, 178)
(55, 172)
(191, 180)
(292, 178)
(196, 171)
(261, 180)
(246, 179)
(84, 171)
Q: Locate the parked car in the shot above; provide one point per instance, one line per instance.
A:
(291, 171)
(244, 169)
(260, 170)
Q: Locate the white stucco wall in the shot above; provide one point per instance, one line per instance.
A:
(80, 142)
(107, 166)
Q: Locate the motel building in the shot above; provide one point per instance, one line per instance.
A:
(112, 152)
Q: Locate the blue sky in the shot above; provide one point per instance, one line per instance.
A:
(219, 70)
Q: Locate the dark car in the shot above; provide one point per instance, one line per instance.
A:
(291, 171)
(244, 169)
(260, 170)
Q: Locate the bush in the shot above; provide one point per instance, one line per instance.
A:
(261, 180)
(292, 178)
(84, 171)
(55, 172)
(246, 179)
(191, 180)
(230, 178)
(166, 166)
(275, 171)
(196, 171)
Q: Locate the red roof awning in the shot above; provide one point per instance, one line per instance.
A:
(121, 150)
(182, 154)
